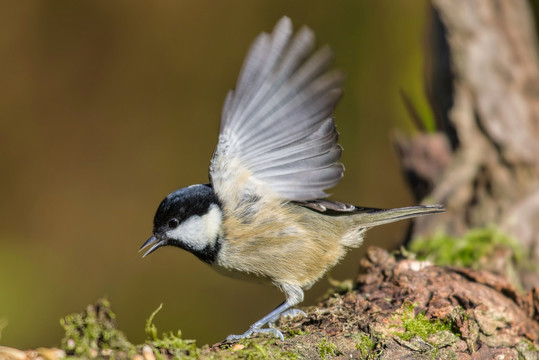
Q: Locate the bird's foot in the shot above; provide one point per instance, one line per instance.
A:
(288, 314)
(253, 331)
(273, 316)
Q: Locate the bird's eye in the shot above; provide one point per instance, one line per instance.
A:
(173, 223)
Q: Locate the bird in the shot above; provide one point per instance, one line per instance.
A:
(264, 215)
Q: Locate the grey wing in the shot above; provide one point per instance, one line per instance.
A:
(277, 133)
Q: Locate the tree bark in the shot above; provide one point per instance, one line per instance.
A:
(396, 310)
(483, 84)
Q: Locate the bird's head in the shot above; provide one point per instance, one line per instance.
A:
(189, 218)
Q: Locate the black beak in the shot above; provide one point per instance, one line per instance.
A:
(157, 243)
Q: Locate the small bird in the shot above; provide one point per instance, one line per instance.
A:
(263, 216)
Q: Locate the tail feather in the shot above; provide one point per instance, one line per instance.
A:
(379, 217)
(359, 223)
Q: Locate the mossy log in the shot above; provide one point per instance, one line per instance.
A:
(399, 309)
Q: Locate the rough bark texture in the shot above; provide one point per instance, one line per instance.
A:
(484, 88)
(409, 309)
(474, 315)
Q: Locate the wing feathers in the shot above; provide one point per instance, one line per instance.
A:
(298, 96)
(227, 108)
(257, 85)
(248, 78)
(295, 153)
(318, 177)
(306, 117)
(318, 180)
(294, 164)
(278, 122)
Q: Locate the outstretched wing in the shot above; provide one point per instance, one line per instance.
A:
(277, 133)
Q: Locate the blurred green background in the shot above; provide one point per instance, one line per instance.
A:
(107, 106)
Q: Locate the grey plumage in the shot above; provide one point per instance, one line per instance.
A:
(278, 124)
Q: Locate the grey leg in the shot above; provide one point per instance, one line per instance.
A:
(257, 326)
(294, 295)
(288, 314)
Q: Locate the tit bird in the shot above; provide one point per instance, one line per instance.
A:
(263, 215)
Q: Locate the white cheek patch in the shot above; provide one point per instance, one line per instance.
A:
(199, 231)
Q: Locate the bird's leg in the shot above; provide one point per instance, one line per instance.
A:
(288, 314)
(294, 295)
(257, 326)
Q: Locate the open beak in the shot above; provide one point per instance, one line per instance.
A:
(157, 243)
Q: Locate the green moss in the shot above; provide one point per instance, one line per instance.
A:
(420, 325)
(366, 346)
(150, 328)
(295, 332)
(93, 333)
(341, 287)
(93, 330)
(527, 350)
(337, 287)
(258, 348)
(327, 349)
(438, 334)
(169, 343)
(466, 250)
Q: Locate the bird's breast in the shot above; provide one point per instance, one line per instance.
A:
(281, 243)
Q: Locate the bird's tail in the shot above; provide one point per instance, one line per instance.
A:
(369, 218)
(378, 217)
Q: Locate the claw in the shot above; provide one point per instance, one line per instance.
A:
(247, 334)
(273, 331)
(256, 328)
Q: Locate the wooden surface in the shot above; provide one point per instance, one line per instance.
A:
(483, 83)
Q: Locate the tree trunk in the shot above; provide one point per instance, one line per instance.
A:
(483, 84)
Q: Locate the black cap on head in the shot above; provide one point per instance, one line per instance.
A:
(184, 203)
